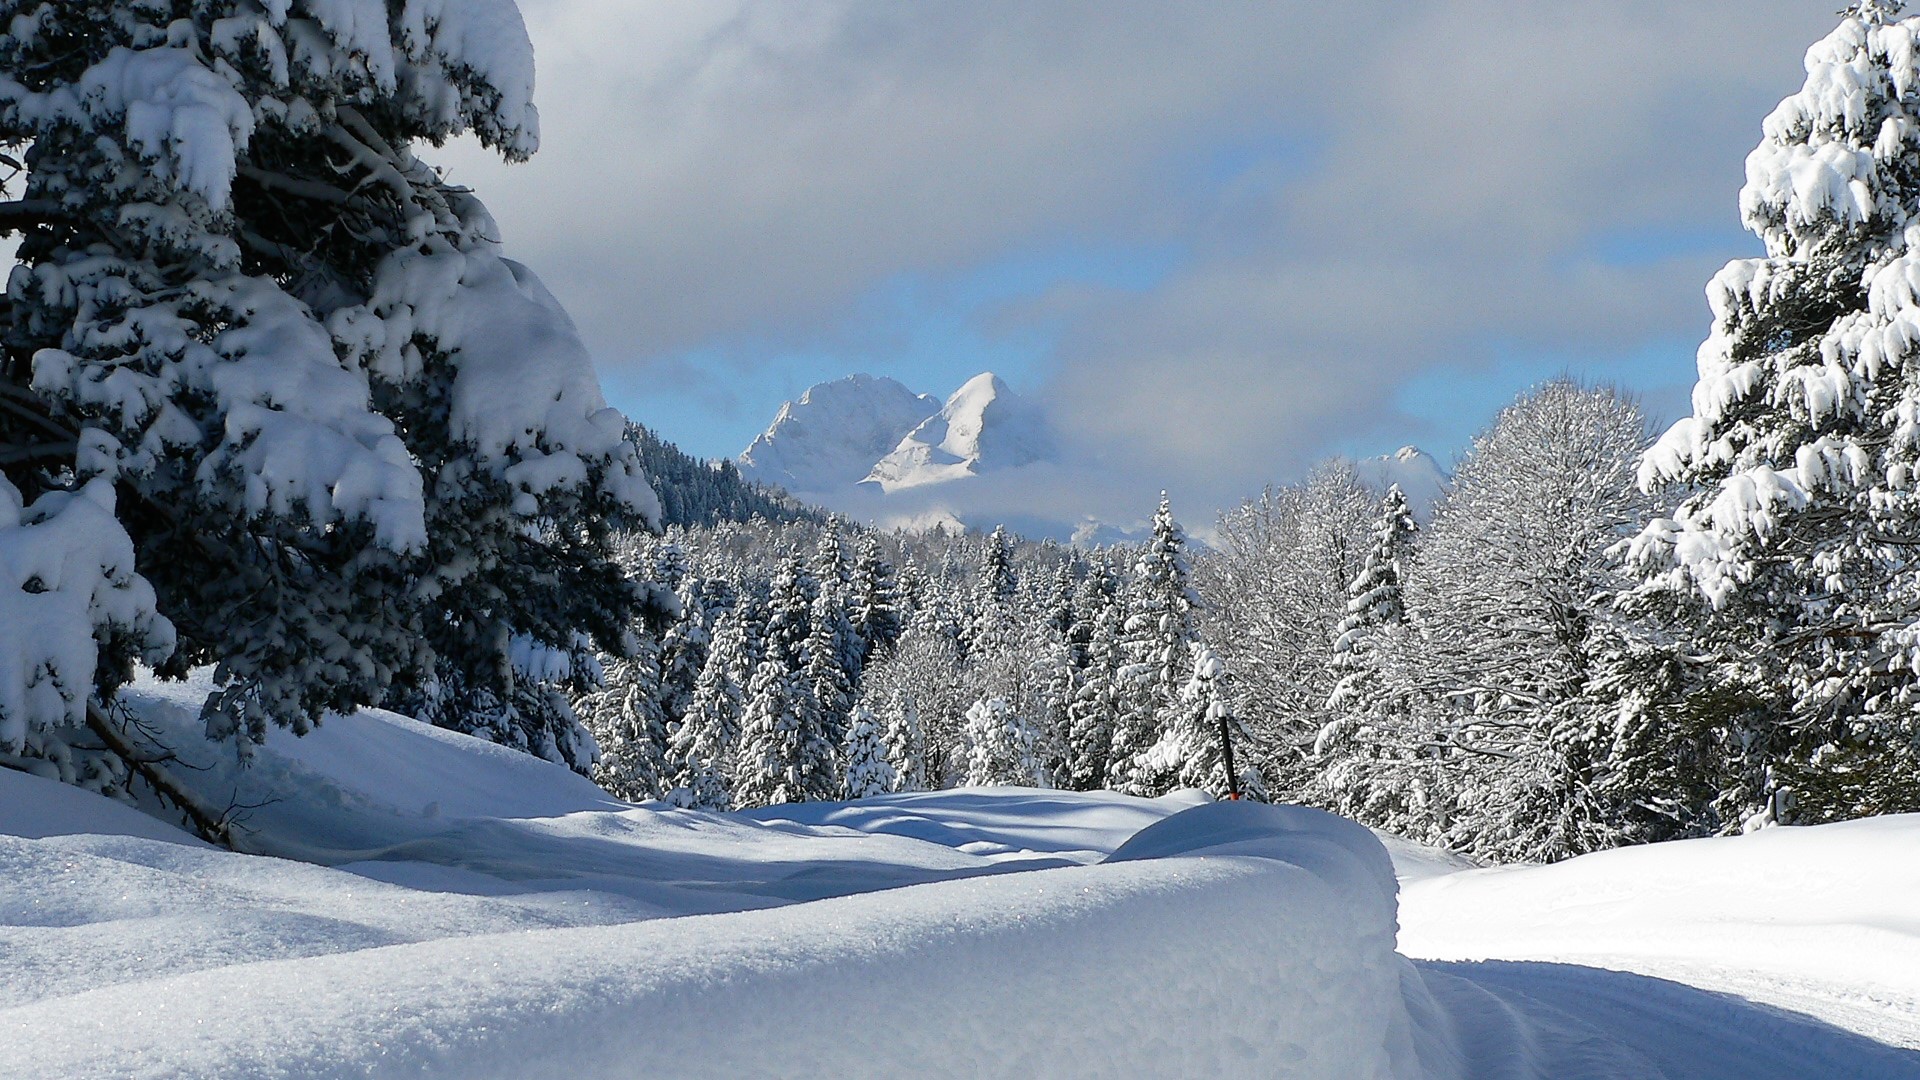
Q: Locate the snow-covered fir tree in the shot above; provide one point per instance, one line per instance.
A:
(906, 747)
(873, 600)
(709, 493)
(784, 756)
(827, 655)
(1794, 509)
(1367, 717)
(869, 771)
(1093, 648)
(703, 744)
(790, 599)
(1157, 647)
(1191, 752)
(360, 455)
(626, 719)
(1001, 746)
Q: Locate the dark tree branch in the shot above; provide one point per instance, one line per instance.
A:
(216, 828)
(23, 214)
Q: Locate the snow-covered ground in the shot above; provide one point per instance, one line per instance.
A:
(431, 905)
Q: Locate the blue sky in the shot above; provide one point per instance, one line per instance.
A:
(1219, 242)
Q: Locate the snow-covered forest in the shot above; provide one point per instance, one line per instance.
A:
(327, 572)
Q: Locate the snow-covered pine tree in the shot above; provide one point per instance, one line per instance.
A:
(784, 758)
(1190, 753)
(790, 600)
(1092, 640)
(1375, 597)
(1000, 746)
(703, 745)
(1365, 719)
(683, 648)
(1795, 477)
(873, 601)
(361, 457)
(869, 772)
(1161, 626)
(1157, 650)
(828, 680)
(992, 625)
(74, 617)
(1138, 707)
(629, 726)
(906, 748)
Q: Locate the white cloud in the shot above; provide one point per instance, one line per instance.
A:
(719, 172)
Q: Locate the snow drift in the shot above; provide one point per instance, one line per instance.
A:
(1224, 940)
(482, 914)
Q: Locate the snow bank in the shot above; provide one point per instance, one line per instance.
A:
(1216, 956)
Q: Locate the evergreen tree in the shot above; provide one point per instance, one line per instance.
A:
(1190, 753)
(906, 749)
(790, 600)
(361, 457)
(708, 493)
(703, 745)
(991, 627)
(873, 602)
(1157, 650)
(1797, 511)
(828, 681)
(1092, 642)
(784, 757)
(869, 772)
(1367, 720)
(1001, 746)
(629, 726)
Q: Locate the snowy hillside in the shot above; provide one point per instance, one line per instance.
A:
(470, 912)
(830, 438)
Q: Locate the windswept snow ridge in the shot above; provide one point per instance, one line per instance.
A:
(1254, 962)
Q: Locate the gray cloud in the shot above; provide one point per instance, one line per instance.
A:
(733, 173)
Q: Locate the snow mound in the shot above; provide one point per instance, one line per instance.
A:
(481, 913)
(1207, 960)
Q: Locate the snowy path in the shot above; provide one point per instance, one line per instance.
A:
(467, 912)
(1822, 922)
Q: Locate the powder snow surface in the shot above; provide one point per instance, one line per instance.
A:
(465, 911)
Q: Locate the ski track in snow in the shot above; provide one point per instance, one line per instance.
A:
(463, 911)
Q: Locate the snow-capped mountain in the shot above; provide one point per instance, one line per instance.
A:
(982, 427)
(865, 437)
(830, 438)
(1418, 473)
